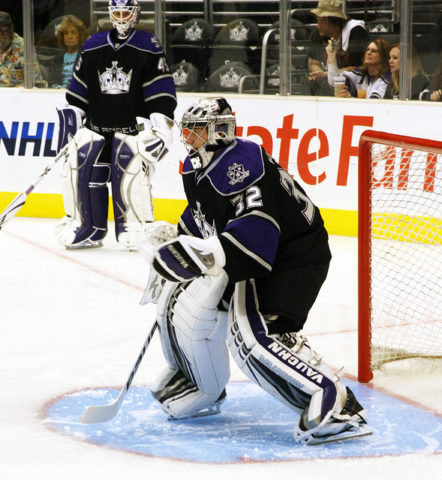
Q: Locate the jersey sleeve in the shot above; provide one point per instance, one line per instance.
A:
(77, 92)
(251, 238)
(250, 243)
(159, 92)
(187, 225)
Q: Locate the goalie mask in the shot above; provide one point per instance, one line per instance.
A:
(124, 14)
(207, 126)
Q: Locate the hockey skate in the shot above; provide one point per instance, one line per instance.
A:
(87, 243)
(85, 237)
(350, 423)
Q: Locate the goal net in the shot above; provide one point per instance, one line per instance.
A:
(400, 250)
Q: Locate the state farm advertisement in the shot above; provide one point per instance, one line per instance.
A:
(315, 139)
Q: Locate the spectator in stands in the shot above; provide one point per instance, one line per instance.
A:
(435, 92)
(372, 77)
(70, 34)
(349, 37)
(12, 55)
(419, 79)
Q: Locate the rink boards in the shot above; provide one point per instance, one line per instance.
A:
(315, 139)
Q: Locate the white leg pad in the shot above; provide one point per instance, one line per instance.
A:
(131, 189)
(193, 336)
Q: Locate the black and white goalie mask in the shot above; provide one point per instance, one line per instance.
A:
(207, 126)
(124, 14)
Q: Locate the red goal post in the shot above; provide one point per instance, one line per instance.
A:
(399, 250)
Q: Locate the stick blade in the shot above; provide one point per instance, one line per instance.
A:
(99, 413)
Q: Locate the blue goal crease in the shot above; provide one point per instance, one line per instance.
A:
(252, 426)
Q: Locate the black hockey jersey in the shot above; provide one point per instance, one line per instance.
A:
(265, 221)
(116, 82)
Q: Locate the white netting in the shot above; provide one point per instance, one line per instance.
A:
(406, 260)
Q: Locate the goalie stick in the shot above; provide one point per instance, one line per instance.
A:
(103, 413)
(18, 202)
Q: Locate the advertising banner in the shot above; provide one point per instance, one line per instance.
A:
(314, 138)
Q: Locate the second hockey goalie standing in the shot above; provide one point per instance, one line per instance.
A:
(124, 93)
(242, 275)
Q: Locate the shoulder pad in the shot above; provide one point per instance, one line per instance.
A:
(145, 41)
(96, 40)
(238, 166)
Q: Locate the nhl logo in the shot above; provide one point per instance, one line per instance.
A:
(237, 173)
(194, 33)
(239, 33)
(114, 81)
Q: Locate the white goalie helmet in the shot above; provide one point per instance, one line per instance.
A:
(124, 14)
(210, 120)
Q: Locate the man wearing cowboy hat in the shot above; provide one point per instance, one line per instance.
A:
(348, 36)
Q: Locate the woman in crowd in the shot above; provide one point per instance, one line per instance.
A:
(419, 79)
(373, 75)
(71, 34)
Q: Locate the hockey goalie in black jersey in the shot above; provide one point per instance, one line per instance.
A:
(246, 267)
(123, 96)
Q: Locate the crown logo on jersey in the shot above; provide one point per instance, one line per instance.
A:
(229, 79)
(194, 33)
(180, 77)
(239, 33)
(203, 225)
(114, 81)
(237, 173)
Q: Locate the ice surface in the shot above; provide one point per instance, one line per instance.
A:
(71, 320)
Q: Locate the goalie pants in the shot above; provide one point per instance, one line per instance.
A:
(288, 295)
